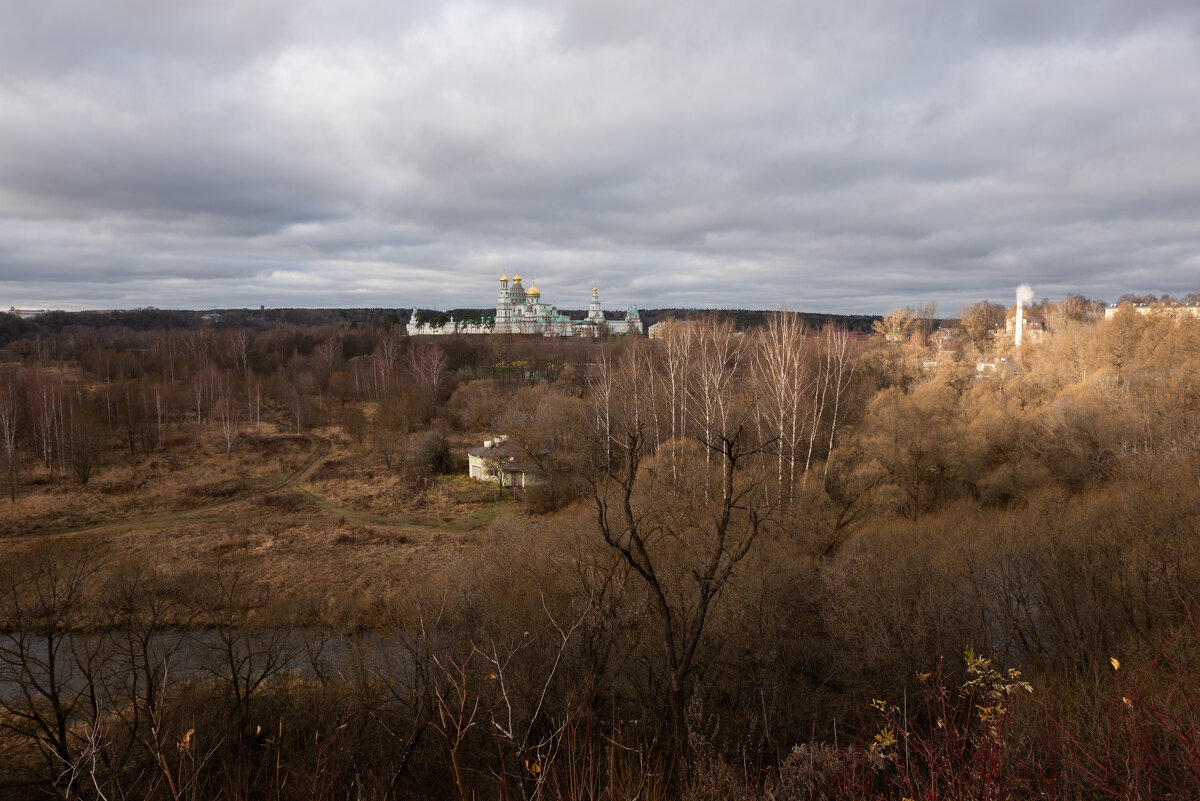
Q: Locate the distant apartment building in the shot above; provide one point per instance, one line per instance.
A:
(25, 314)
(1174, 311)
(658, 330)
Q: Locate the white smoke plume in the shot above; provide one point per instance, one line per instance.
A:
(1024, 294)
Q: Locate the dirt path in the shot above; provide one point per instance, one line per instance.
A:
(314, 458)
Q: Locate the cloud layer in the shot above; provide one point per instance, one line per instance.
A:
(702, 153)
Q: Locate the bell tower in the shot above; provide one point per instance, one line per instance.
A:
(594, 312)
(504, 304)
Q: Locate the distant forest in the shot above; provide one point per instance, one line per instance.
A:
(13, 328)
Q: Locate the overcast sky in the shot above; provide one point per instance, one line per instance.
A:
(819, 156)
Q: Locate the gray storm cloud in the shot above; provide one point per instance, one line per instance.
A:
(848, 157)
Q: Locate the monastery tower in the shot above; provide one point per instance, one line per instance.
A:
(595, 314)
(522, 311)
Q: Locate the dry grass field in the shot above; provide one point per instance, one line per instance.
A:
(180, 478)
(315, 519)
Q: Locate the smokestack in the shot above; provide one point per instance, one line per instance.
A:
(1024, 295)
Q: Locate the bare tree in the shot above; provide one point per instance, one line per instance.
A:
(926, 320)
(897, 326)
(144, 610)
(229, 418)
(254, 399)
(246, 655)
(683, 537)
(44, 692)
(9, 420)
(204, 385)
(198, 345)
(160, 415)
(163, 349)
(782, 377)
(677, 341)
(87, 442)
(388, 353)
(978, 323)
(840, 365)
(47, 399)
(297, 402)
(820, 389)
(531, 742)
(601, 390)
(240, 343)
(428, 366)
(327, 356)
(717, 362)
(546, 425)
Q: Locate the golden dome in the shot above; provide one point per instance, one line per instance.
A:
(516, 279)
(504, 278)
(534, 291)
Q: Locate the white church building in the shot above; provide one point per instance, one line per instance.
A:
(521, 311)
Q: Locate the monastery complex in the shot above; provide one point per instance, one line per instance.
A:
(521, 311)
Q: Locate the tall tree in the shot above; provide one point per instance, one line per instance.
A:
(228, 413)
(978, 323)
(9, 420)
(897, 326)
(839, 366)
(682, 533)
(45, 694)
(783, 378)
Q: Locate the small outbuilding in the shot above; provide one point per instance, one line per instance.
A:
(503, 462)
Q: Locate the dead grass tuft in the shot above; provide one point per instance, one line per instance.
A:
(216, 490)
(281, 501)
